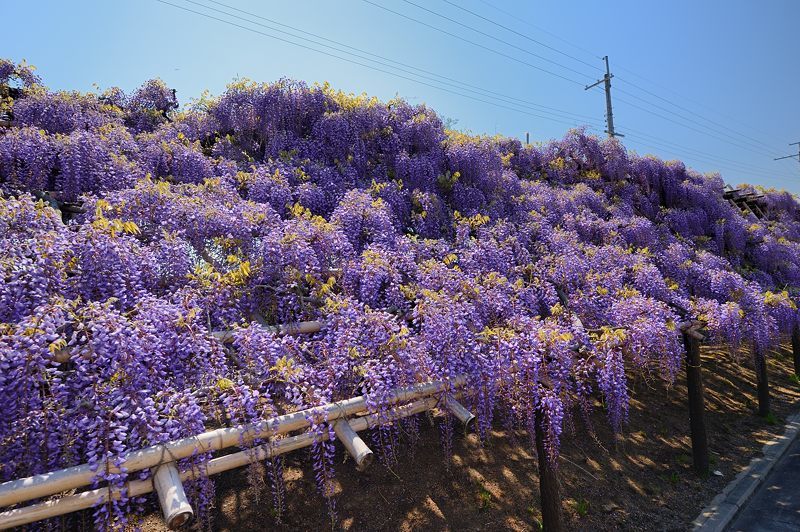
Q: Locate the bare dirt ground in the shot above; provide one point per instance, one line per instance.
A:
(638, 480)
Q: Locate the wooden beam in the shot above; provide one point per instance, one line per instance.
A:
(697, 424)
(762, 381)
(549, 489)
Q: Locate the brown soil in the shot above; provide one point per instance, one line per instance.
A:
(638, 480)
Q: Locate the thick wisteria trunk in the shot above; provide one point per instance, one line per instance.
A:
(548, 482)
(697, 423)
(760, 361)
(796, 349)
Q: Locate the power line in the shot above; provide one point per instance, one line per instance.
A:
(544, 30)
(729, 169)
(687, 98)
(515, 109)
(791, 156)
(690, 111)
(742, 166)
(669, 119)
(698, 154)
(459, 84)
(493, 37)
(735, 141)
(540, 43)
(460, 38)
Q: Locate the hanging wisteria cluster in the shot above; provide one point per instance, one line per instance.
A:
(130, 230)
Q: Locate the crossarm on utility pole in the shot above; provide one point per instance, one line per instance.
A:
(606, 81)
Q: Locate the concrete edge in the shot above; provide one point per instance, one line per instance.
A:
(725, 506)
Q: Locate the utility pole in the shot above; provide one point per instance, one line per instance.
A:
(791, 156)
(606, 80)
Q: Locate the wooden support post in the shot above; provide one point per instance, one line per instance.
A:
(548, 482)
(796, 349)
(762, 381)
(697, 423)
(353, 443)
(457, 409)
(174, 504)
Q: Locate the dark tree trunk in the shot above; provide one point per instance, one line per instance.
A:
(548, 482)
(796, 349)
(760, 361)
(697, 423)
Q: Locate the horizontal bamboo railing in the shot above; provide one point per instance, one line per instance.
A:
(166, 479)
(88, 499)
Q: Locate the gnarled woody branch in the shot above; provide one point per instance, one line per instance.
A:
(301, 327)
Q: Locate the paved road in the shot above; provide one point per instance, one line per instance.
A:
(775, 507)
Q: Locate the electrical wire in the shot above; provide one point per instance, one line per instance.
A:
(395, 74)
(544, 30)
(427, 74)
(511, 105)
(752, 139)
(477, 44)
(526, 37)
(687, 98)
(696, 154)
(733, 140)
(494, 37)
(688, 126)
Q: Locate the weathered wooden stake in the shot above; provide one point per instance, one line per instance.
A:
(548, 482)
(760, 361)
(796, 349)
(697, 423)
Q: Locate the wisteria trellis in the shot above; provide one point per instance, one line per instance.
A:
(428, 253)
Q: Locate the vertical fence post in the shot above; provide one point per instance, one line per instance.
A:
(697, 423)
(796, 349)
(762, 381)
(548, 482)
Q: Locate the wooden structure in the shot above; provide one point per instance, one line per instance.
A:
(748, 202)
(167, 480)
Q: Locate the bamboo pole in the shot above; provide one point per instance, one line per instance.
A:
(174, 504)
(457, 409)
(354, 444)
(42, 485)
(88, 499)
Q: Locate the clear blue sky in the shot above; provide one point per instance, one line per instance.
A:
(733, 62)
